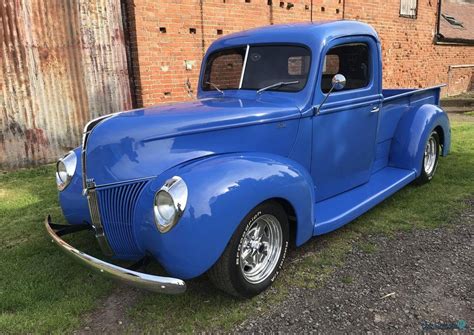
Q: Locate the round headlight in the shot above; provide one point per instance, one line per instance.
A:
(65, 169)
(170, 202)
(165, 205)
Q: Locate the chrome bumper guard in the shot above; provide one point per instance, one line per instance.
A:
(138, 279)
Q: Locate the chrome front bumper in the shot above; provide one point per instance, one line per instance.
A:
(138, 279)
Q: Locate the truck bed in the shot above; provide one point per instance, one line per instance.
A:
(390, 94)
(395, 103)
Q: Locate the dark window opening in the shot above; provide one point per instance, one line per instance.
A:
(266, 65)
(350, 60)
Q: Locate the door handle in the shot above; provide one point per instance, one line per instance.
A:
(375, 109)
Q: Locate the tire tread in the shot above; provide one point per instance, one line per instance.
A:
(220, 273)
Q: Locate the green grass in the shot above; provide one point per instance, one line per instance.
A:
(469, 113)
(42, 290)
(367, 247)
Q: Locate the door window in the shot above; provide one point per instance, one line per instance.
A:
(350, 60)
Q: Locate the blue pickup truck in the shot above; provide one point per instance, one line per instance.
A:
(291, 136)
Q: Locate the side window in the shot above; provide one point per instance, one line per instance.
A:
(350, 60)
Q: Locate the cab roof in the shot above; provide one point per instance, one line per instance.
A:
(309, 33)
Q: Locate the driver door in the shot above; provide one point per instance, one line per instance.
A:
(344, 131)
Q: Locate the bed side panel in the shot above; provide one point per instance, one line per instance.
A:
(393, 108)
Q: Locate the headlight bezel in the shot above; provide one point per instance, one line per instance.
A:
(176, 189)
(69, 164)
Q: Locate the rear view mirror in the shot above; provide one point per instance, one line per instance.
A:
(338, 83)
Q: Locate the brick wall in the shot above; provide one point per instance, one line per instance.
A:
(169, 38)
(410, 58)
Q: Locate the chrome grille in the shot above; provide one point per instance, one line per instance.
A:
(117, 208)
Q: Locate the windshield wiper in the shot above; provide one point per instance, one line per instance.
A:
(215, 86)
(281, 83)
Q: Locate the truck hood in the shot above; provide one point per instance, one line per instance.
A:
(145, 142)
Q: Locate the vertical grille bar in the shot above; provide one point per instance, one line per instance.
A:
(117, 208)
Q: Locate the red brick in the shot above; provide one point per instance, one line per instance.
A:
(410, 58)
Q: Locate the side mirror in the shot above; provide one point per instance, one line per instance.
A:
(338, 83)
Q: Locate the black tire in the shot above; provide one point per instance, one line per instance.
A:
(427, 172)
(228, 274)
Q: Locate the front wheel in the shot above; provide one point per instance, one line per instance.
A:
(430, 158)
(255, 254)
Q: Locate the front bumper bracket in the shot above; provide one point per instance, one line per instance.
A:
(138, 279)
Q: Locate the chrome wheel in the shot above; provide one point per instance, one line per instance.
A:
(431, 152)
(261, 248)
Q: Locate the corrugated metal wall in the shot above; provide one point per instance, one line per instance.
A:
(63, 63)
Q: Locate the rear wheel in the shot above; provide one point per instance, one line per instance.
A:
(255, 254)
(430, 158)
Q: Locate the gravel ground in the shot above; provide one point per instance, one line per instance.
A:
(413, 281)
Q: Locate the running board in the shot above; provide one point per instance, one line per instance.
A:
(335, 212)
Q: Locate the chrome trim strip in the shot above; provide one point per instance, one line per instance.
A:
(85, 136)
(146, 281)
(83, 160)
(97, 223)
(88, 188)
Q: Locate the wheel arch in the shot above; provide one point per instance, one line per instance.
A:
(412, 132)
(223, 189)
(442, 138)
(290, 214)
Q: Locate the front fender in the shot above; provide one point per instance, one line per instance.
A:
(73, 202)
(412, 133)
(222, 190)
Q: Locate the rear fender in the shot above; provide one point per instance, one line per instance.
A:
(221, 192)
(413, 131)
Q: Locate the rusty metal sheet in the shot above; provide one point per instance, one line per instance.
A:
(63, 63)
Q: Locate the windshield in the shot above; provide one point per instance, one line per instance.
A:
(257, 68)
